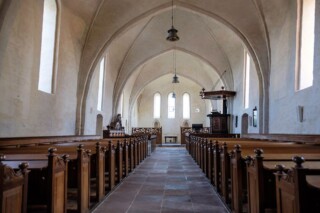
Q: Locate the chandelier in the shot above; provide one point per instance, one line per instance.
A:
(175, 78)
(172, 32)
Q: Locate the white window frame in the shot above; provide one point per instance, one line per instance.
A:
(102, 66)
(49, 46)
(305, 44)
(246, 82)
(157, 105)
(171, 106)
(186, 103)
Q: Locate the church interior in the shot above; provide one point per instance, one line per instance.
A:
(95, 95)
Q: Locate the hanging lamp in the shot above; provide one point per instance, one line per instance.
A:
(172, 32)
(175, 78)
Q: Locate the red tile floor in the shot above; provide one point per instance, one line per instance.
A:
(167, 181)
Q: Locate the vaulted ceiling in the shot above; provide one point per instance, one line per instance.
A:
(213, 34)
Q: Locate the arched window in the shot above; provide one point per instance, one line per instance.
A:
(246, 79)
(156, 105)
(48, 40)
(186, 106)
(305, 43)
(171, 106)
(101, 81)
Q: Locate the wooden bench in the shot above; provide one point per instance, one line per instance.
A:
(77, 175)
(261, 180)
(108, 162)
(97, 166)
(298, 189)
(13, 187)
(298, 138)
(17, 142)
(51, 174)
(238, 170)
(215, 162)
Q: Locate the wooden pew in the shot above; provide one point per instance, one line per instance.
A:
(83, 179)
(51, 174)
(238, 169)
(119, 161)
(97, 166)
(125, 158)
(13, 187)
(110, 156)
(16, 142)
(299, 138)
(298, 189)
(222, 177)
(78, 172)
(131, 154)
(98, 161)
(261, 180)
(131, 157)
(110, 167)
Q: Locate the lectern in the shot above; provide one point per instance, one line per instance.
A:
(218, 121)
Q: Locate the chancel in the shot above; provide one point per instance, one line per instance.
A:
(100, 108)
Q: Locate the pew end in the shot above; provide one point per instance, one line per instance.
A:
(295, 189)
(13, 187)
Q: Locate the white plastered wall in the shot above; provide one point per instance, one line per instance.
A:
(25, 111)
(164, 86)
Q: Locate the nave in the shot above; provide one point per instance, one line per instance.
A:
(167, 181)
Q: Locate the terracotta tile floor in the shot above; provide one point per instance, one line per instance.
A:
(167, 181)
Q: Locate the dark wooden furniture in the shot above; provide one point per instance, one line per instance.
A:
(93, 166)
(185, 131)
(298, 189)
(47, 182)
(35, 141)
(150, 131)
(218, 123)
(298, 138)
(249, 180)
(109, 133)
(13, 187)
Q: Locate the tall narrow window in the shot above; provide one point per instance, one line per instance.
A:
(171, 106)
(305, 23)
(246, 79)
(156, 105)
(100, 88)
(47, 46)
(186, 106)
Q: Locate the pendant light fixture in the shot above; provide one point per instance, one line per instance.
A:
(173, 94)
(172, 33)
(175, 79)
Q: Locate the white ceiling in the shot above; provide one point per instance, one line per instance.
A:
(213, 35)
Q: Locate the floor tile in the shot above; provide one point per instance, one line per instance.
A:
(167, 181)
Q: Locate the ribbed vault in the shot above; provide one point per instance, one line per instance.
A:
(211, 33)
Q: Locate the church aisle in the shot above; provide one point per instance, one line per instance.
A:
(167, 181)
